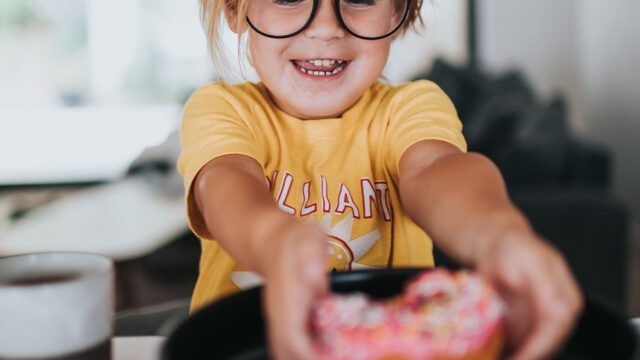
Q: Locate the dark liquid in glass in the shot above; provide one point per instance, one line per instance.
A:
(39, 280)
(102, 351)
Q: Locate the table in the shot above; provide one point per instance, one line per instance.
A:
(126, 220)
(149, 347)
(136, 347)
(123, 220)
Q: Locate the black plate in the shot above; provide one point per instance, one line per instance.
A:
(232, 328)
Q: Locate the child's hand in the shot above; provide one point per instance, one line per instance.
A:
(294, 276)
(460, 199)
(543, 299)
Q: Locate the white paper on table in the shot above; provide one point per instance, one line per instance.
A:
(122, 220)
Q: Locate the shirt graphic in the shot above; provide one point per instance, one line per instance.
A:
(343, 250)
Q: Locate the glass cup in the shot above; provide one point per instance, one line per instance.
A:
(56, 306)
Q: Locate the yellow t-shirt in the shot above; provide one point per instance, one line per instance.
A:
(341, 173)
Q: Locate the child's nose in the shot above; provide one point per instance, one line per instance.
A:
(325, 24)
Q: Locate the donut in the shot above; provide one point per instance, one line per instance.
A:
(441, 315)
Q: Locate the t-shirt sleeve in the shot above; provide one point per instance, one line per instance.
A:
(420, 111)
(211, 127)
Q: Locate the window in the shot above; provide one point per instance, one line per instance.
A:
(87, 84)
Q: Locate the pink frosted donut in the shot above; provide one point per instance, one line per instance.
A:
(441, 315)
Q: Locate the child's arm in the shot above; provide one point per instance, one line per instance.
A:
(241, 215)
(461, 201)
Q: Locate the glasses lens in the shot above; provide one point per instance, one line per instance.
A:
(372, 18)
(279, 17)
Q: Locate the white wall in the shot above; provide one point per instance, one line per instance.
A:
(444, 35)
(610, 68)
(587, 49)
(111, 48)
(539, 36)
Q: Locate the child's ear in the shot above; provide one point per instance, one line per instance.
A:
(231, 14)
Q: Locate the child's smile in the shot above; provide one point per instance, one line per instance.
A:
(320, 72)
(320, 69)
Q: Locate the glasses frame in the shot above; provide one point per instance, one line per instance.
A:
(339, 16)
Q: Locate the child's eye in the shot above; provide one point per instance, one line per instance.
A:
(287, 2)
(361, 2)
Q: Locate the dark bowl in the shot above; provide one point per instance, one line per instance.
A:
(233, 327)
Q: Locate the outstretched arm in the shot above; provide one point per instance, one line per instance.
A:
(241, 215)
(460, 200)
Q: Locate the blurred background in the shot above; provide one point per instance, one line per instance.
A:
(91, 94)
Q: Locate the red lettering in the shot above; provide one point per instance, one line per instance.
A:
(306, 210)
(283, 194)
(346, 201)
(382, 189)
(326, 205)
(368, 196)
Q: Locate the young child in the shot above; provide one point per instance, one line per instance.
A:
(321, 164)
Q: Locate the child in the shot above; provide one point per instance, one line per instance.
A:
(319, 152)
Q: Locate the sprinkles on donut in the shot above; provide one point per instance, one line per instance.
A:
(441, 315)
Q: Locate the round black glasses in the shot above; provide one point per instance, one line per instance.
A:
(364, 19)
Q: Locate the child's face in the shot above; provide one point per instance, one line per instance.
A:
(280, 64)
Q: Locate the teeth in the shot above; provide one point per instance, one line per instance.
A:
(341, 65)
(324, 62)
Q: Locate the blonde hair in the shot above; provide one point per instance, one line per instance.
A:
(212, 14)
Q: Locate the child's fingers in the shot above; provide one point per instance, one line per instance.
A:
(298, 277)
(288, 339)
(543, 298)
(294, 346)
(556, 303)
(552, 323)
(312, 255)
(287, 326)
(545, 338)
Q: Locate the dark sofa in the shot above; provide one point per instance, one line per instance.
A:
(560, 182)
